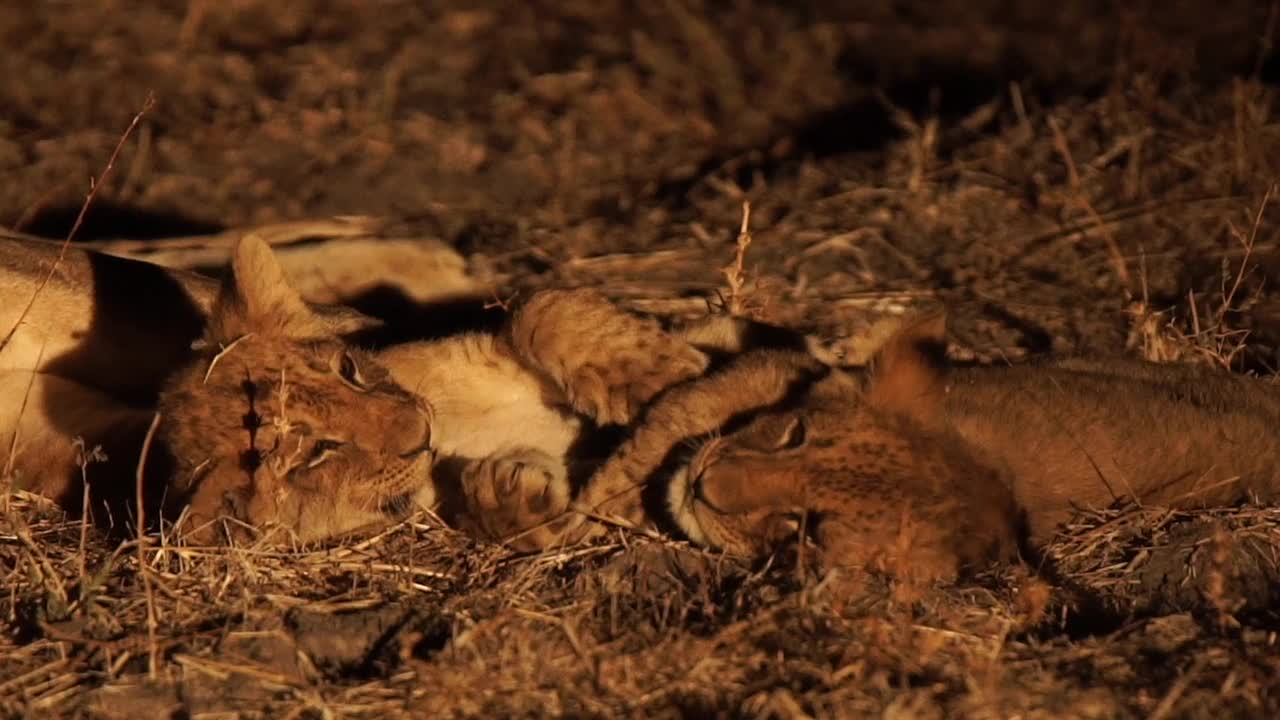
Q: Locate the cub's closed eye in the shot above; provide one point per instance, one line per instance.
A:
(322, 450)
(348, 369)
(793, 436)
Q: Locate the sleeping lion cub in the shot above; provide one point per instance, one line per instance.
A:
(275, 424)
(922, 470)
(273, 419)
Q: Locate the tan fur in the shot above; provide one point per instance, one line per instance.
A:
(275, 421)
(84, 358)
(923, 472)
(280, 424)
(88, 341)
(608, 363)
(1088, 434)
(49, 441)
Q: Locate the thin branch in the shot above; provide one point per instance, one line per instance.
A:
(84, 210)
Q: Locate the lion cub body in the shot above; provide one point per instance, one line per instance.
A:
(924, 470)
(1081, 435)
(274, 420)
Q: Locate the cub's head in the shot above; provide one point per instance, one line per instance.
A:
(279, 424)
(867, 464)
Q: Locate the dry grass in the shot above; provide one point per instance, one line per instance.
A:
(419, 619)
(94, 185)
(1157, 560)
(1213, 340)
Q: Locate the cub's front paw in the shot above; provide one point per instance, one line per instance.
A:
(608, 362)
(514, 497)
(615, 388)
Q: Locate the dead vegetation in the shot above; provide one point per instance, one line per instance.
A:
(1102, 187)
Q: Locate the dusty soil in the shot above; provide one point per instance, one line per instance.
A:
(1063, 177)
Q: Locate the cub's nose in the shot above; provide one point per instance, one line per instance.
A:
(409, 432)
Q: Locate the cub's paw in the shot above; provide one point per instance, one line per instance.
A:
(901, 546)
(615, 388)
(517, 498)
(608, 362)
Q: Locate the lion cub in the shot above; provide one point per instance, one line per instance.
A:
(923, 470)
(780, 441)
(87, 342)
(275, 420)
(278, 423)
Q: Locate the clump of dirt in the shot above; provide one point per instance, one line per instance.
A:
(1158, 561)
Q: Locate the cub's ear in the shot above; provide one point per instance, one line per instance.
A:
(256, 298)
(908, 372)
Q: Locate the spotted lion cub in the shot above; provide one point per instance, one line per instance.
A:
(277, 423)
(275, 419)
(776, 441)
(924, 470)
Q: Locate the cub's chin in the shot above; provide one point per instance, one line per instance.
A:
(749, 533)
(682, 502)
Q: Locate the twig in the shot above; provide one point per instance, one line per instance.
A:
(84, 210)
(143, 568)
(225, 349)
(83, 458)
(735, 274)
(497, 301)
(1247, 243)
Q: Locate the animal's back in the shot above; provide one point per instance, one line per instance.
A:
(87, 339)
(1086, 433)
(114, 324)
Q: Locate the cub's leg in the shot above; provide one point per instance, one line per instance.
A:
(500, 431)
(755, 380)
(49, 428)
(608, 362)
(514, 497)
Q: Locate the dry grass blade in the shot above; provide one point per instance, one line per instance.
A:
(84, 210)
(1080, 198)
(144, 567)
(735, 274)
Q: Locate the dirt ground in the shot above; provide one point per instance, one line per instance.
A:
(1063, 178)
